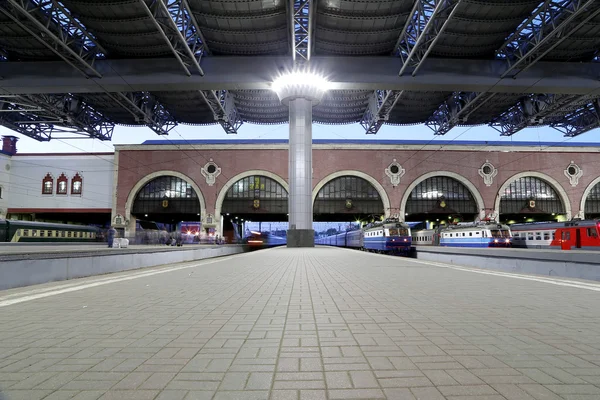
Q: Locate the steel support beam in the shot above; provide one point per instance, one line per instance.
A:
(346, 73)
(175, 22)
(378, 110)
(456, 110)
(532, 111)
(302, 26)
(38, 116)
(427, 20)
(552, 23)
(52, 25)
(582, 120)
(147, 110)
(223, 108)
(178, 26)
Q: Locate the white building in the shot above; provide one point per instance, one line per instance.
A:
(56, 187)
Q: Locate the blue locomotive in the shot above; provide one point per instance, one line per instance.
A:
(482, 234)
(389, 236)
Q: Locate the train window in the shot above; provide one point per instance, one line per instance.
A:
(591, 232)
(553, 235)
(529, 235)
(516, 234)
(42, 233)
(25, 232)
(62, 234)
(470, 233)
(34, 232)
(69, 234)
(546, 235)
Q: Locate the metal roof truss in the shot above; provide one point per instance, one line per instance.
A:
(580, 121)
(52, 25)
(302, 20)
(223, 107)
(378, 110)
(146, 109)
(548, 26)
(428, 19)
(39, 116)
(531, 111)
(456, 110)
(178, 27)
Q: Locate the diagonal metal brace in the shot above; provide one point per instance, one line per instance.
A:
(550, 24)
(302, 22)
(379, 108)
(147, 110)
(426, 22)
(52, 25)
(223, 107)
(582, 120)
(176, 24)
(456, 110)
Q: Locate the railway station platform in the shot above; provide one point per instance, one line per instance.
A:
(320, 323)
(30, 264)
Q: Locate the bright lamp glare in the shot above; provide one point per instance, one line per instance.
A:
(300, 79)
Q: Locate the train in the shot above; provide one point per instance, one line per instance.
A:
(28, 231)
(261, 240)
(476, 234)
(578, 234)
(389, 236)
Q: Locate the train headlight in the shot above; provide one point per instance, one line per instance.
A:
(495, 240)
(406, 240)
(507, 240)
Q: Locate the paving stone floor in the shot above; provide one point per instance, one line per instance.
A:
(300, 324)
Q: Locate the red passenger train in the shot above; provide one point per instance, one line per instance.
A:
(577, 234)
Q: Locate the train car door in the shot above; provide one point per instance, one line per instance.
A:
(565, 239)
(578, 238)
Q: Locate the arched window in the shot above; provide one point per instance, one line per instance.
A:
(530, 194)
(61, 184)
(348, 195)
(592, 201)
(167, 195)
(256, 186)
(256, 194)
(77, 184)
(441, 194)
(48, 184)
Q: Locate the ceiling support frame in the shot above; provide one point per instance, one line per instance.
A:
(176, 24)
(532, 111)
(302, 27)
(456, 110)
(582, 120)
(427, 20)
(60, 113)
(223, 107)
(550, 24)
(53, 26)
(378, 109)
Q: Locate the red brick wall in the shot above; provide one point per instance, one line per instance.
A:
(135, 164)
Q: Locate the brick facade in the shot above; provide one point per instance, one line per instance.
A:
(369, 160)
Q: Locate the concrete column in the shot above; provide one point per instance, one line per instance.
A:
(300, 90)
(300, 233)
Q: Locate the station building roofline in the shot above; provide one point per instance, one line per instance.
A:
(369, 142)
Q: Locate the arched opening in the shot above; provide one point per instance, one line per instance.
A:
(592, 202)
(348, 198)
(529, 199)
(167, 200)
(254, 202)
(440, 199)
